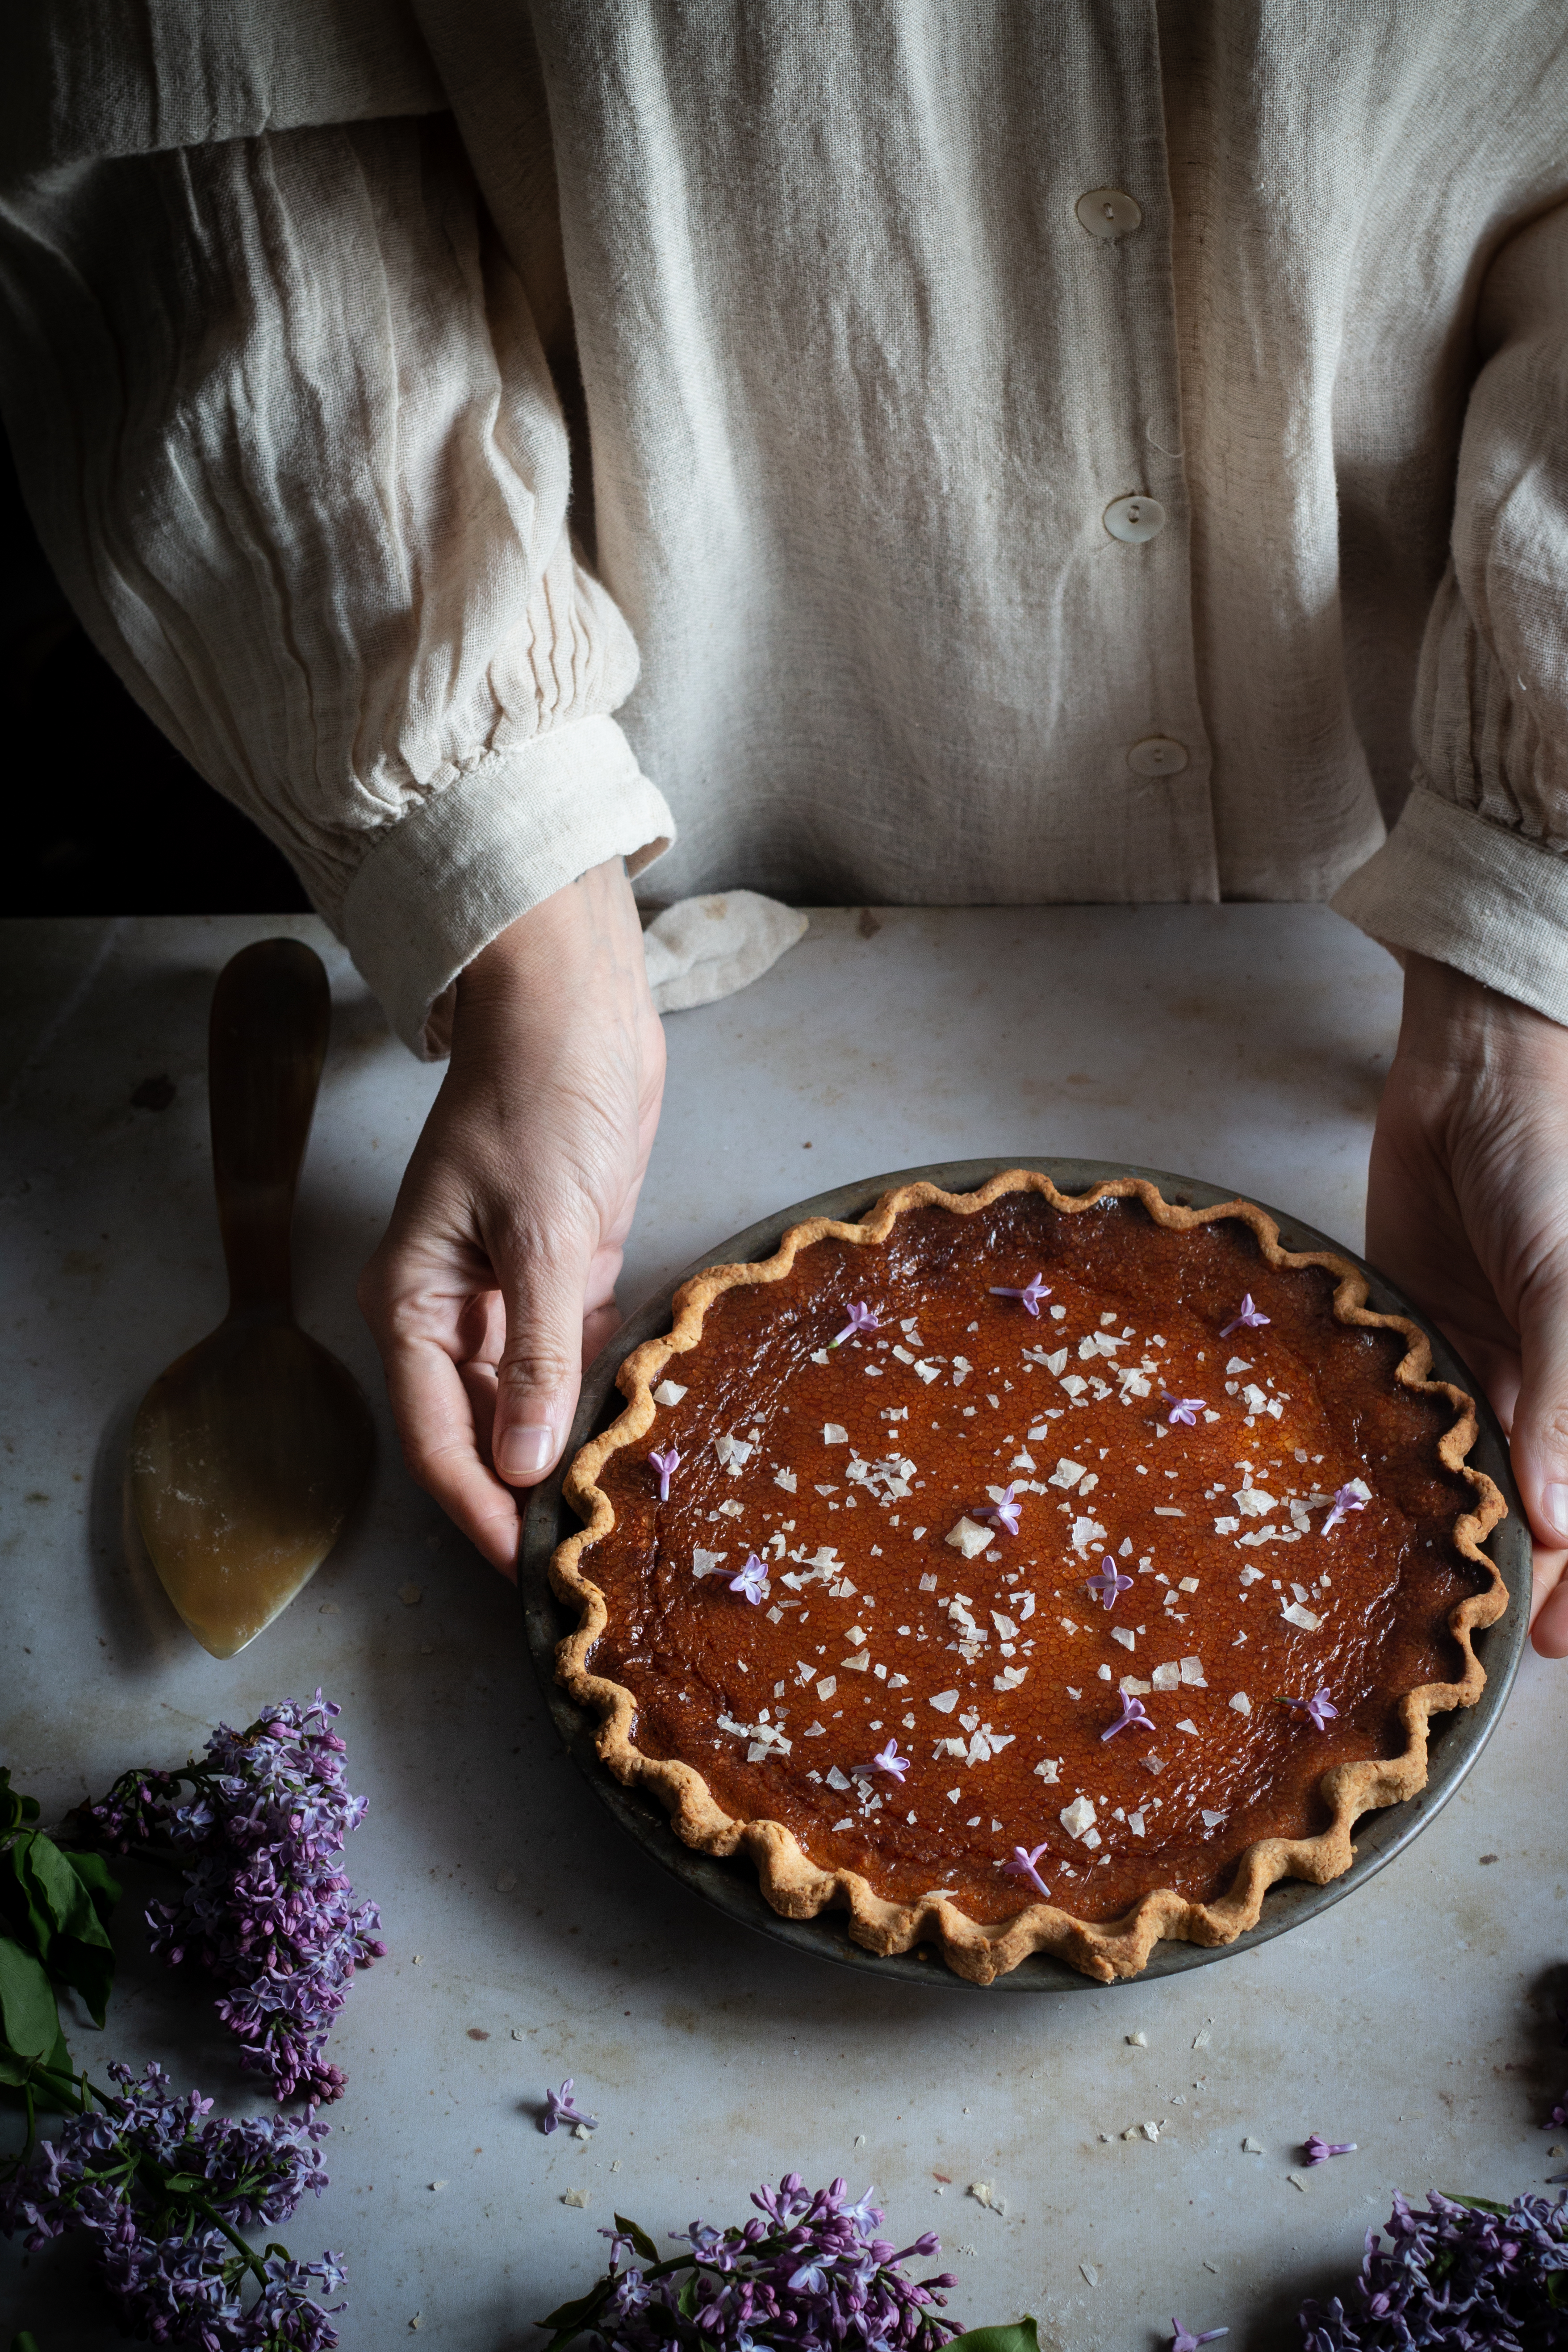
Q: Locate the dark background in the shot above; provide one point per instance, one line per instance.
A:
(106, 818)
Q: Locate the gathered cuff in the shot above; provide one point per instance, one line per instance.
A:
(449, 878)
(1449, 883)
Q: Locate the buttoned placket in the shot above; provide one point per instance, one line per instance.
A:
(1124, 229)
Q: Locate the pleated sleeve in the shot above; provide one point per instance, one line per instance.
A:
(286, 431)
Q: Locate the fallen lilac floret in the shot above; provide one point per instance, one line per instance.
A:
(861, 1318)
(559, 2109)
(1003, 1508)
(265, 1911)
(1108, 1582)
(1184, 1410)
(1354, 1497)
(1246, 1314)
(1030, 1297)
(1464, 2276)
(752, 1581)
(1318, 1707)
(1134, 1717)
(667, 1464)
(1183, 2340)
(1319, 2149)
(890, 1761)
(147, 2178)
(1023, 1864)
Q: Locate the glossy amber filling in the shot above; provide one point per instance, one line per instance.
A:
(844, 1469)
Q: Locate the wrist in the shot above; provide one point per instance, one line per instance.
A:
(1448, 1017)
(592, 921)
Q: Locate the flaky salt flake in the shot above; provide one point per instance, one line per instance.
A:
(1134, 1687)
(1186, 1724)
(1254, 1502)
(1089, 2273)
(1139, 2041)
(835, 1433)
(668, 1392)
(706, 1563)
(1125, 1635)
(968, 1538)
(1240, 1702)
(1250, 2146)
(1168, 1511)
(1166, 1677)
(1048, 1769)
(1067, 1473)
(1009, 1678)
(945, 1701)
(733, 1454)
(1193, 1673)
(1296, 1615)
(1085, 1531)
(1227, 1526)
(1212, 1820)
(1078, 1819)
(826, 1687)
(578, 2197)
(1202, 2038)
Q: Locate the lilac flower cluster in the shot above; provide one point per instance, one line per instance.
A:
(1463, 2275)
(813, 2268)
(265, 1909)
(161, 2189)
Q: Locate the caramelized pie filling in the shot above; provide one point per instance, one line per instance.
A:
(843, 1469)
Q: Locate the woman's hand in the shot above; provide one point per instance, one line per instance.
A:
(1468, 1213)
(494, 1284)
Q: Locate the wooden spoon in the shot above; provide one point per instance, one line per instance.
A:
(250, 1452)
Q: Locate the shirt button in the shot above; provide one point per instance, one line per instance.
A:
(1108, 213)
(1157, 755)
(1134, 519)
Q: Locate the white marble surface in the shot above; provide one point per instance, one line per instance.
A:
(1242, 1044)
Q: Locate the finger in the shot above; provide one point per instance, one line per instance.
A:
(435, 1428)
(1539, 1437)
(544, 1277)
(1549, 1604)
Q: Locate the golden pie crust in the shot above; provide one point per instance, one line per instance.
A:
(978, 1950)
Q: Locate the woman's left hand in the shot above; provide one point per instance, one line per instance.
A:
(1468, 1213)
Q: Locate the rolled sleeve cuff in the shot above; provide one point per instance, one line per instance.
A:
(1450, 885)
(451, 875)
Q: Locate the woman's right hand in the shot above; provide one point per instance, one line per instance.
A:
(494, 1285)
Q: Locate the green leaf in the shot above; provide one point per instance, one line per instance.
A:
(640, 2240)
(573, 2318)
(20, 1915)
(1482, 2205)
(27, 2012)
(14, 1809)
(77, 1951)
(1019, 2337)
(686, 2301)
(92, 1869)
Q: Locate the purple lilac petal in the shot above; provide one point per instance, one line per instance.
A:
(1346, 1500)
(890, 1761)
(1134, 1717)
(1108, 1582)
(752, 1581)
(1246, 1314)
(559, 2109)
(1184, 1410)
(1004, 1511)
(861, 1318)
(1319, 2151)
(1034, 1290)
(667, 1464)
(1319, 1709)
(1183, 2340)
(1023, 1864)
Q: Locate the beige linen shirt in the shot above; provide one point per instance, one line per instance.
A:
(388, 376)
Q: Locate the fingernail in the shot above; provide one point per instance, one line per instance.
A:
(523, 1451)
(1554, 1511)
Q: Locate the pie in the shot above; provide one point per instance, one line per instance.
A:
(1025, 1571)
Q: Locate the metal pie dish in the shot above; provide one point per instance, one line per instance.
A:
(731, 1886)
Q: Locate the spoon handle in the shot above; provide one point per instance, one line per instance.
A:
(266, 1040)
